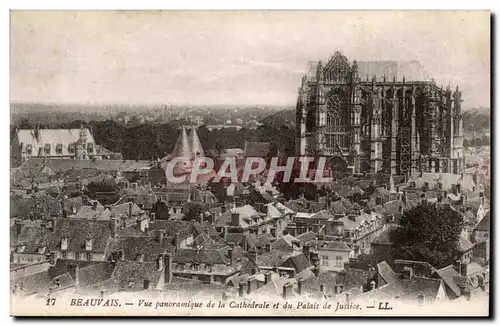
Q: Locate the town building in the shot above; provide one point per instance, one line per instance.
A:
(372, 116)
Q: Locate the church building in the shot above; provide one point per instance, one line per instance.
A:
(379, 116)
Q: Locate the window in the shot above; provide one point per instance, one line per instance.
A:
(90, 148)
(338, 261)
(88, 256)
(77, 255)
(64, 254)
(59, 148)
(46, 148)
(325, 260)
(29, 149)
(71, 149)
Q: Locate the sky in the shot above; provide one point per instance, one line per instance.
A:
(231, 58)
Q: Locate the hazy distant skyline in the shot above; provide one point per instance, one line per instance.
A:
(230, 58)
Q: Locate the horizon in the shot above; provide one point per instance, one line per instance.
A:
(230, 58)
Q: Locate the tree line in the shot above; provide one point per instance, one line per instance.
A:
(155, 140)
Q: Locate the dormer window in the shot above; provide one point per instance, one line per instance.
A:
(64, 244)
(88, 245)
(29, 149)
(46, 149)
(59, 149)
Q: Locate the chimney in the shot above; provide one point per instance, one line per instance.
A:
(463, 268)
(458, 266)
(407, 273)
(267, 277)
(230, 253)
(235, 219)
(19, 226)
(405, 198)
(287, 290)
(168, 268)
(241, 289)
(249, 285)
(480, 281)
(74, 272)
(177, 240)
(146, 284)
(300, 285)
(159, 261)
(338, 288)
(112, 225)
(161, 238)
(130, 210)
(306, 249)
(63, 209)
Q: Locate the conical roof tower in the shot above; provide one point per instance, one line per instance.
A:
(196, 148)
(182, 147)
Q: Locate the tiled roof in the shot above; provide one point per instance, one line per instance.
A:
(386, 272)
(332, 245)
(354, 278)
(77, 231)
(410, 70)
(134, 247)
(464, 245)
(31, 284)
(131, 275)
(485, 223)
(448, 274)
(306, 237)
(186, 255)
(274, 258)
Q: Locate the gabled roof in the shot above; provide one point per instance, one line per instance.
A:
(77, 231)
(133, 247)
(485, 223)
(131, 275)
(448, 275)
(188, 255)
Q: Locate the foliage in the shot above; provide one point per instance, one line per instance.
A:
(428, 233)
(155, 140)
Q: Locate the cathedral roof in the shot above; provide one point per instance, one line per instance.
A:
(411, 70)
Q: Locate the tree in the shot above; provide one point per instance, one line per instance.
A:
(428, 233)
